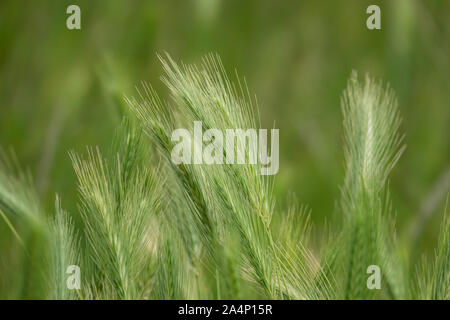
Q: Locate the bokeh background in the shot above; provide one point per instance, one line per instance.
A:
(63, 89)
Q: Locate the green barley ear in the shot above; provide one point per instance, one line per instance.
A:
(64, 249)
(223, 201)
(118, 198)
(303, 276)
(441, 272)
(238, 195)
(196, 215)
(172, 272)
(373, 145)
(435, 284)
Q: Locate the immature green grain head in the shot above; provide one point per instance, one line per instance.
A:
(372, 147)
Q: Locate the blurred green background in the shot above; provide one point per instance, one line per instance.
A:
(63, 89)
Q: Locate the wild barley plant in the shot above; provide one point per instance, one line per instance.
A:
(119, 197)
(155, 229)
(372, 147)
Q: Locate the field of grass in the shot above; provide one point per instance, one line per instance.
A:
(86, 176)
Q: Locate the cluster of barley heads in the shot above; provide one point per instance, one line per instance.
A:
(153, 229)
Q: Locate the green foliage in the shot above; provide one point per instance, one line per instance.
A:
(153, 229)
